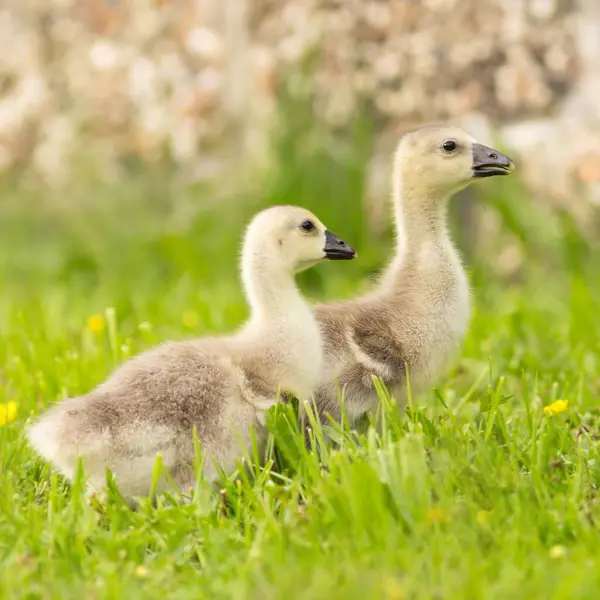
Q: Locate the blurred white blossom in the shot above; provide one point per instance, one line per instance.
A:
(99, 77)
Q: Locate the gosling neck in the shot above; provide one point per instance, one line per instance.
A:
(423, 240)
(270, 288)
(421, 216)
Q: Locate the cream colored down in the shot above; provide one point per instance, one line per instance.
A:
(221, 386)
(416, 317)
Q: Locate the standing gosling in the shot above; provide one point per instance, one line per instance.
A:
(418, 315)
(219, 385)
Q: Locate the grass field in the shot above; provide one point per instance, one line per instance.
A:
(474, 492)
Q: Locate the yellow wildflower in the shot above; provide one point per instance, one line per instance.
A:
(482, 517)
(96, 324)
(141, 571)
(556, 407)
(8, 413)
(393, 589)
(557, 552)
(435, 515)
(190, 318)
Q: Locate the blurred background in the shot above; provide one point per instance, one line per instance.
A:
(136, 139)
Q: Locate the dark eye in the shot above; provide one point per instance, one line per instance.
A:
(450, 146)
(307, 226)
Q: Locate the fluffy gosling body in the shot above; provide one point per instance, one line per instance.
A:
(418, 315)
(221, 385)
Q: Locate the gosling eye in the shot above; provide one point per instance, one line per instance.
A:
(450, 146)
(307, 226)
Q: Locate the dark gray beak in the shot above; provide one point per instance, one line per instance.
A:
(337, 249)
(488, 162)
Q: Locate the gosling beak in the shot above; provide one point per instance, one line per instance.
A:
(337, 249)
(488, 162)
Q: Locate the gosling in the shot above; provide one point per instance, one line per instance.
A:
(221, 386)
(417, 317)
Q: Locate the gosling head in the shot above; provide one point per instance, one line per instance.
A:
(443, 160)
(294, 239)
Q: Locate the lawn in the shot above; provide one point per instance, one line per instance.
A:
(475, 491)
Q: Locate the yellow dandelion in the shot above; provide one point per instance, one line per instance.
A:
(190, 318)
(483, 517)
(556, 407)
(393, 589)
(557, 552)
(141, 571)
(96, 324)
(435, 515)
(8, 412)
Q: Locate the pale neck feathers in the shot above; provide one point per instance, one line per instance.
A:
(270, 287)
(422, 237)
(281, 329)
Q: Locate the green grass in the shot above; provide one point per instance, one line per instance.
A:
(472, 493)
